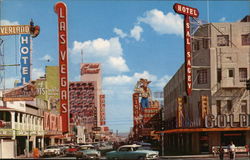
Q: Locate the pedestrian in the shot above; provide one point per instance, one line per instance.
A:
(221, 153)
(231, 149)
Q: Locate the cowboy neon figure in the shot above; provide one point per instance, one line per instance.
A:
(144, 92)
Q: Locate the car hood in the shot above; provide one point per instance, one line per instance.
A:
(51, 150)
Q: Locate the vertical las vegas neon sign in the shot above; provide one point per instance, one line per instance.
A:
(61, 11)
(187, 12)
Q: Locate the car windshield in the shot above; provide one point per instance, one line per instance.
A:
(143, 148)
(49, 147)
(86, 147)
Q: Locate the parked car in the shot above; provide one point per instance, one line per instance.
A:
(88, 152)
(132, 152)
(52, 151)
(71, 151)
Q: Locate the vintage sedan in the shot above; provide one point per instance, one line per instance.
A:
(52, 151)
(132, 152)
(88, 152)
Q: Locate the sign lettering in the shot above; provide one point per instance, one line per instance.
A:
(61, 10)
(193, 12)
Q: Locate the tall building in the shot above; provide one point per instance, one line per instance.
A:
(93, 72)
(218, 109)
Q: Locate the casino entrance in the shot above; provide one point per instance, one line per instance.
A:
(238, 138)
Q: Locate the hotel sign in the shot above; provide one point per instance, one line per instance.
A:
(225, 121)
(90, 68)
(61, 11)
(187, 12)
(25, 59)
(14, 30)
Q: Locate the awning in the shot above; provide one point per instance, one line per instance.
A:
(186, 130)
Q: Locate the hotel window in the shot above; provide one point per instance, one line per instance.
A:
(244, 106)
(218, 105)
(205, 43)
(229, 105)
(243, 74)
(222, 40)
(196, 45)
(230, 72)
(202, 76)
(219, 75)
(245, 39)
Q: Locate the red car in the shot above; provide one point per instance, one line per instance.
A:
(71, 151)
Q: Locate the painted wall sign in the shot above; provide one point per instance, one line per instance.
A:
(61, 11)
(25, 50)
(224, 121)
(14, 30)
(24, 93)
(193, 12)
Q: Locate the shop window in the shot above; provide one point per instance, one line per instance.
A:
(245, 39)
(222, 40)
(230, 72)
(243, 74)
(218, 105)
(244, 106)
(202, 76)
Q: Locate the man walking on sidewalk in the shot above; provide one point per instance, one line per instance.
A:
(231, 149)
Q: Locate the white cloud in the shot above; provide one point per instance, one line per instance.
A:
(117, 63)
(5, 22)
(136, 32)
(160, 83)
(108, 52)
(223, 19)
(163, 24)
(37, 73)
(47, 58)
(120, 33)
(130, 81)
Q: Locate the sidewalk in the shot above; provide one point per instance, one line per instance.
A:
(200, 156)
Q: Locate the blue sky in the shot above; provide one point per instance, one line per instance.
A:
(132, 39)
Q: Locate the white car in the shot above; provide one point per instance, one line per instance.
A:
(52, 151)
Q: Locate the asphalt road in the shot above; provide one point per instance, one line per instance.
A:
(103, 158)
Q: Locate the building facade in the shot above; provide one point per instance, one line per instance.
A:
(217, 111)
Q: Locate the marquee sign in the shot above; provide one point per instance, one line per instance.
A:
(61, 11)
(193, 12)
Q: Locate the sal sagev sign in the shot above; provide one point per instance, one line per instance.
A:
(223, 121)
(61, 11)
(187, 12)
